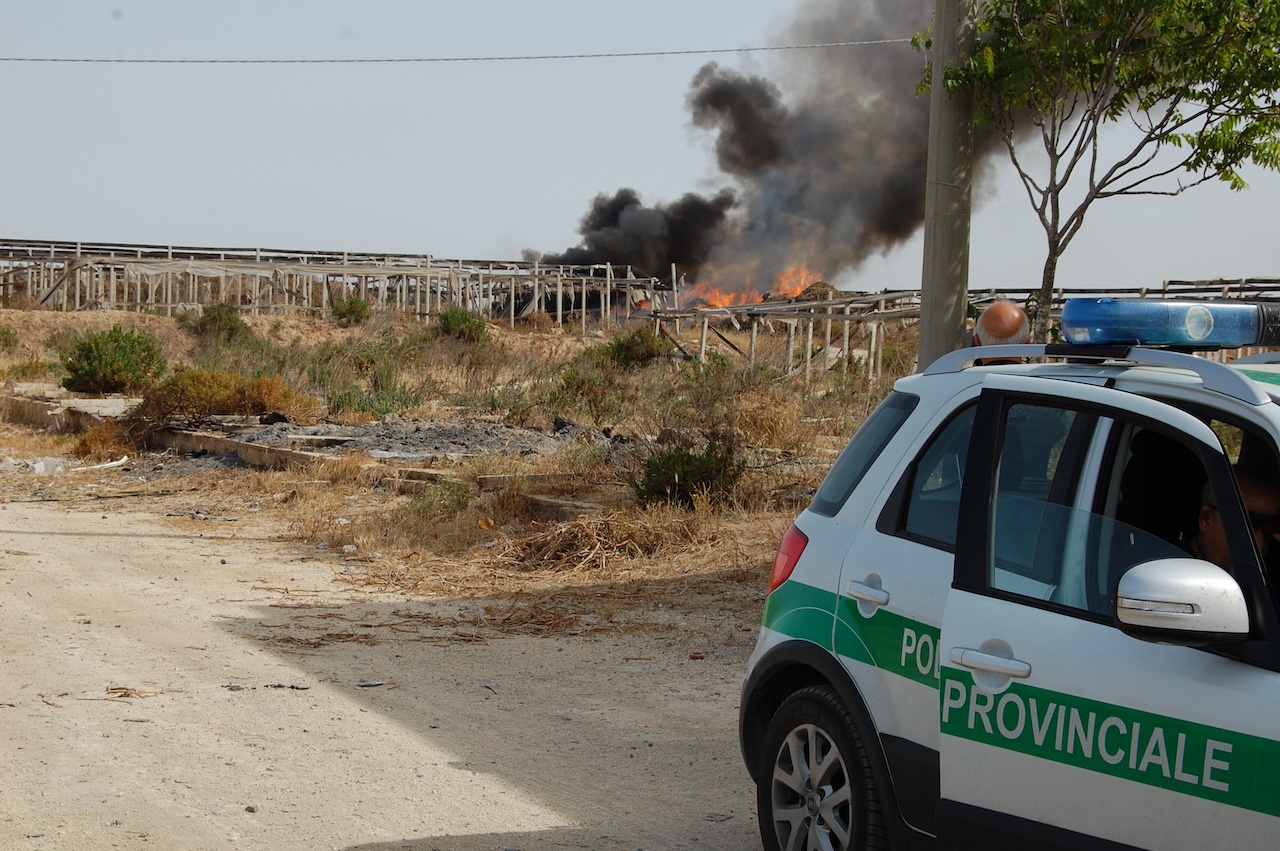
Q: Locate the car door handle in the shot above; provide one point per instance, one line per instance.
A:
(864, 593)
(976, 660)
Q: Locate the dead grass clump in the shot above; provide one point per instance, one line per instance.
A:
(191, 397)
(350, 470)
(271, 394)
(540, 322)
(770, 416)
(21, 441)
(591, 543)
(106, 441)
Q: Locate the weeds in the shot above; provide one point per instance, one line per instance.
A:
(351, 311)
(635, 348)
(192, 397)
(115, 361)
(218, 323)
(682, 476)
(462, 324)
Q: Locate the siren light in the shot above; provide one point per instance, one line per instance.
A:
(1185, 323)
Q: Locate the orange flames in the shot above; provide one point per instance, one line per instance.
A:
(789, 284)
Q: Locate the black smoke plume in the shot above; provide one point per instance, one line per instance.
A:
(824, 168)
(620, 229)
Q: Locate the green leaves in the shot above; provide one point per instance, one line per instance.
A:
(115, 361)
(1196, 81)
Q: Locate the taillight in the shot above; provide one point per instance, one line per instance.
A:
(793, 544)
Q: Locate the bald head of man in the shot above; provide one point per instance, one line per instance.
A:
(1001, 324)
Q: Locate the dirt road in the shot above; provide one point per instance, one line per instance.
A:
(208, 686)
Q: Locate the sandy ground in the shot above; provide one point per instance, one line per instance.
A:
(163, 686)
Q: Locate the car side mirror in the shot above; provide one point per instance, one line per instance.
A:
(1181, 601)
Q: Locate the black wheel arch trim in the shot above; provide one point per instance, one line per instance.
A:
(784, 669)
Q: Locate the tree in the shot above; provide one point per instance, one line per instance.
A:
(1195, 80)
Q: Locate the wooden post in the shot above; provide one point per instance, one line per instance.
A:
(791, 345)
(826, 333)
(755, 326)
(606, 302)
(873, 348)
(844, 343)
(584, 305)
(702, 344)
(559, 298)
(808, 353)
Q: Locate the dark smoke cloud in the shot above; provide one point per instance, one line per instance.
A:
(620, 229)
(825, 167)
(749, 115)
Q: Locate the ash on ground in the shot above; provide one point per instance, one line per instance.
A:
(421, 440)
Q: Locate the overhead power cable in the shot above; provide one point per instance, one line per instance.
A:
(530, 58)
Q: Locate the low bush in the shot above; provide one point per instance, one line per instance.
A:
(351, 311)
(681, 476)
(219, 323)
(106, 441)
(8, 341)
(636, 348)
(377, 403)
(462, 324)
(187, 399)
(115, 361)
(190, 397)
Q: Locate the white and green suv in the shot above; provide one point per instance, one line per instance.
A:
(1035, 604)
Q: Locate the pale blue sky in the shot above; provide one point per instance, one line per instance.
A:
(474, 160)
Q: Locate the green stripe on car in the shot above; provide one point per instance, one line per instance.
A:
(1142, 747)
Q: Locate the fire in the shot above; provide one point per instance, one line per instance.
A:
(709, 295)
(789, 284)
(795, 280)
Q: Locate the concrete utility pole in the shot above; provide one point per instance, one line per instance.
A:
(947, 199)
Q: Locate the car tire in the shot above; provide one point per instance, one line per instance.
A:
(816, 790)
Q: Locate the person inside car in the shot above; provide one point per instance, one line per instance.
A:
(1261, 501)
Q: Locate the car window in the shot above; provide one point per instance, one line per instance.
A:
(1060, 538)
(1056, 535)
(865, 447)
(934, 482)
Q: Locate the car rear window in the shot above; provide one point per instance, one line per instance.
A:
(865, 447)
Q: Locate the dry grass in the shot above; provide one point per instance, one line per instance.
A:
(487, 550)
(104, 442)
(621, 572)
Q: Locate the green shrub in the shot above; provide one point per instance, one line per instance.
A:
(8, 341)
(376, 403)
(115, 361)
(462, 324)
(351, 311)
(678, 475)
(221, 323)
(635, 348)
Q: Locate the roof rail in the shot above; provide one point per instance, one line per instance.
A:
(1217, 377)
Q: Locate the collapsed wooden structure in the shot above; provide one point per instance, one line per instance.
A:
(172, 279)
(823, 314)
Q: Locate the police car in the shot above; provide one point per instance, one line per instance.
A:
(1035, 604)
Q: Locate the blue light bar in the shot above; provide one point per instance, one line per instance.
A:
(1149, 322)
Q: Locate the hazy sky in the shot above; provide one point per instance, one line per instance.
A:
(475, 160)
